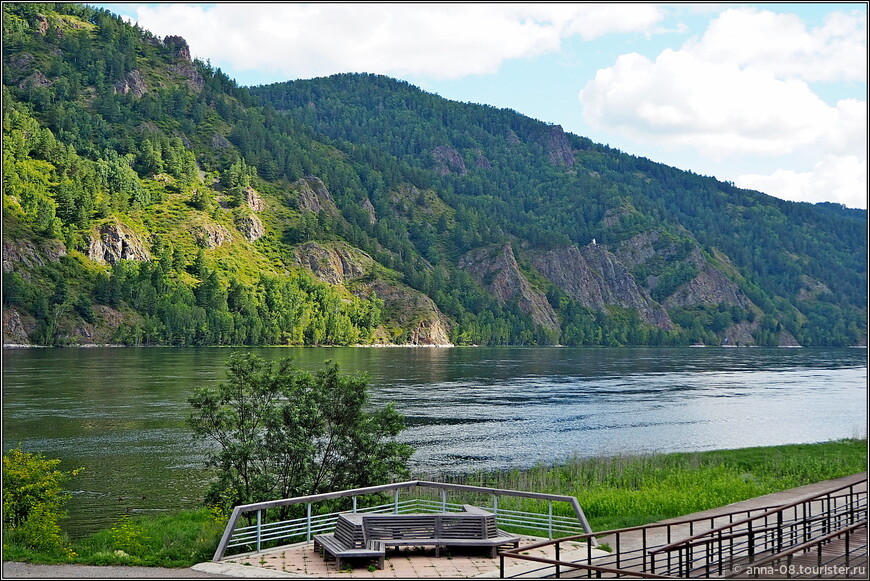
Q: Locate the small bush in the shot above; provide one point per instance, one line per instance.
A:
(33, 497)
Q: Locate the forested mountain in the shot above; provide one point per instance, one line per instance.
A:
(148, 199)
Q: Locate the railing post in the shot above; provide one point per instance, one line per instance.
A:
(443, 500)
(558, 558)
(354, 504)
(495, 504)
(308, 522)
(259, 525)
(550, 519)
(396, 501)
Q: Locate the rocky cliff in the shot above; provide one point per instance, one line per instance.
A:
(497, 269)
(597, 279)
(114, 241)
(404, 307)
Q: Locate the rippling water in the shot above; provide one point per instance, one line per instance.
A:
(120, 413)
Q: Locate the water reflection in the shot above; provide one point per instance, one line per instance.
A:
(121, 413)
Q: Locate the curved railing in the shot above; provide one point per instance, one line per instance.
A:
(261, 532)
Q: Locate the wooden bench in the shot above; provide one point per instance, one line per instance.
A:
(472, 528)
(348, 543)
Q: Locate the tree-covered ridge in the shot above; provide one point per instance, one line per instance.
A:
(231, 207)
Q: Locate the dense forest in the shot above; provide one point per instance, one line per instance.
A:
(148, 199)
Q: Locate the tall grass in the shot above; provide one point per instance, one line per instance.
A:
(623, 491)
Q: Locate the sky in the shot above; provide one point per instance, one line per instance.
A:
(770, 96)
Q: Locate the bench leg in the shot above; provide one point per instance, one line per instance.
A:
(381, 562)
(338, 562)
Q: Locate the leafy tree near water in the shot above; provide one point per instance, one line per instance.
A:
(33, 497)
(282, 432)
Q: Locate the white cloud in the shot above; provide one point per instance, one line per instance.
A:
(782, 45)
(439, 41)
(741, 92)
(833, 179)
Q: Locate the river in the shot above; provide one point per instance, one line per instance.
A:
(120, 412)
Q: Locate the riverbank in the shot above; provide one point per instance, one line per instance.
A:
(614, 492)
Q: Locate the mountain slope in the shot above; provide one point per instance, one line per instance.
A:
(149, 199)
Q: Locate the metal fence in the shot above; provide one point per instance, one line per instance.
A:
(431, 497)
(713, 545)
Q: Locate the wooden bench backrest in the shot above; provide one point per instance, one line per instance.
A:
(429, 526)
(348, 534)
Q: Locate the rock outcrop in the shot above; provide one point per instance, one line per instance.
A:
(597, 279)
(132, 83)
(558, 147)
(496, 268)
(334, 263)
(251, 227)
(29, 254)
(211, 235)
(183, 67)
(414, 311)
(448, 160)
(114, 241)
(313, 196)
(709, 287)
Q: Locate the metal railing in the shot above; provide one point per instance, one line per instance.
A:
(773, 531)
(848, 562)
(735, 537)
(261, 532)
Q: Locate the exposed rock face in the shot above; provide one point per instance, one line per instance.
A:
(413, 310)
(133, 83)
(210, 235)
(253, 199)
(37, 81)
(251, 227)
(184, 67)
(558, 147)
(29, 254)
(370, 210)
(740, 334)
(335, 264)
(15, 330)
(218, 141)
(179, 46)
(448, 160)
(314, 196)
(596, 278)
(497, 269)
(709, 287)
(114, 241)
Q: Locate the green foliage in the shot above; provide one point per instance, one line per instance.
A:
(99, 123)
(281, 432)
(33, 498)
(624, 491)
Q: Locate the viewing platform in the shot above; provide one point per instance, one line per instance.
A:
(815, 531)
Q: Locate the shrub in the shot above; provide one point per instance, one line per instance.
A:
(32, 499)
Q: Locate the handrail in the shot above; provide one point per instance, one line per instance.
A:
(395, 487)
(806, 546)
(714, 533)
(771, 511)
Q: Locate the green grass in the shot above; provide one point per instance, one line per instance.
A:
(178, 540)
(614, 492)
(622, 491)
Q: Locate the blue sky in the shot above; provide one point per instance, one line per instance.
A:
(770, 96)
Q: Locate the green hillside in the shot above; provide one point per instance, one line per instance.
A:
(148, 199)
